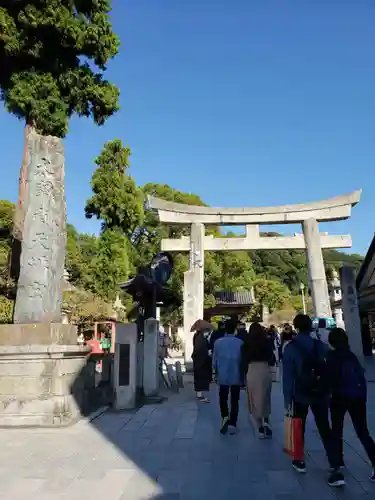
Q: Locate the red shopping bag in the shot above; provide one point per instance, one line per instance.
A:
(293, 438)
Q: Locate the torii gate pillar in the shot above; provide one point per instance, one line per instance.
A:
(316, 270)
(193, 288)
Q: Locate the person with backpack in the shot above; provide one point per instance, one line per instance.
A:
(348, 394)
(305, 386)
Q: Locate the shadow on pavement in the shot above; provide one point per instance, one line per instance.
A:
(173, 451)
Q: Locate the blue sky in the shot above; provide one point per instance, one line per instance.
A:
(257, 102)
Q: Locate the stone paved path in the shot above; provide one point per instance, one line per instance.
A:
(171, 451)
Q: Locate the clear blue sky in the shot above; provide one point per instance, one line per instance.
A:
(243, 102)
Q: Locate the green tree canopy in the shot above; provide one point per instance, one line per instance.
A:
(111, 264)
(117, 201)
(81, 250)
(6, 219)
(6, 227)
(85, 308)
(53, 54)
(271, 292)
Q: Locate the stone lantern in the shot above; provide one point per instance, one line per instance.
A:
(335, 295)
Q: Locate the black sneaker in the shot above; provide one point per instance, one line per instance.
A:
(341, 466)
(261, 432)
(336, 479)
(224, 425)
(372, 478)
(299, 466)
(267, 430)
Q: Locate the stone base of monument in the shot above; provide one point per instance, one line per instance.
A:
(42, 375)
(38, 333)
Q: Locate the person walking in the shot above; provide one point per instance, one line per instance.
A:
(348, 394)
(243, 335)
(227, 365)
(305, 386)
(286, 336)
(217, 334)
(260, 357)
(202, 364)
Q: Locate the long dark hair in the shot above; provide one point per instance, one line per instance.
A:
(338, 339)
(257, 341)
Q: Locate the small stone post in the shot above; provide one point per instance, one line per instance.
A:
(151, 358)
(351, 311)
(179, 375)
(315, 266)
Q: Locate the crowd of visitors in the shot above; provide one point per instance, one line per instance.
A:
(319, 373)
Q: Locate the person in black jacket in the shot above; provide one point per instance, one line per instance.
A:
(202, 365)
(349, 394)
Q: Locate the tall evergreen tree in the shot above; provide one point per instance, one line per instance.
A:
(53, 54)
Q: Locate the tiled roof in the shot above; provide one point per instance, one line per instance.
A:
(227, 297)
(366, 262)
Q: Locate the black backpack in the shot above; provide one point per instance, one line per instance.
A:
(312, 381)
(352, 382)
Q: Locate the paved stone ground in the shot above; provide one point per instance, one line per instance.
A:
(171, 451)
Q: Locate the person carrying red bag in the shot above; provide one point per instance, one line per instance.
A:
(305, 386)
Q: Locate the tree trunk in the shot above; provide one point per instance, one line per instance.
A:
(19, 213)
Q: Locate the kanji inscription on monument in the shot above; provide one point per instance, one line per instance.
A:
(39, 291)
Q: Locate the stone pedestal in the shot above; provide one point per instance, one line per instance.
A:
(42, 375)
(125, 366)
(351, 311)
(316, 270)
(151, 358)
(38, 333)
(41, 385)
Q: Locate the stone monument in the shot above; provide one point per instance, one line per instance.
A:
(312, 241)
(41, 366)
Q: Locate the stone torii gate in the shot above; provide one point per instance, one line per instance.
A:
(307, 214)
